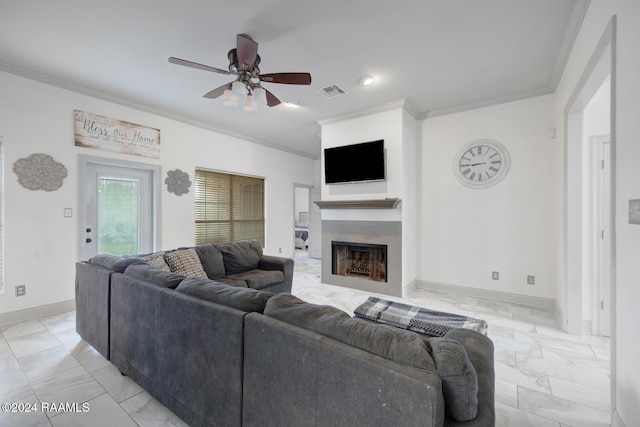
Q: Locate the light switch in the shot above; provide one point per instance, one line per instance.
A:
(68, 212)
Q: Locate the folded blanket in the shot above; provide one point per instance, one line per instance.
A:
(417, 319)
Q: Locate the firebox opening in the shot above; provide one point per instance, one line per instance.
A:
(359, 260)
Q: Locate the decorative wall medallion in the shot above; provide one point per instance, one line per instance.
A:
(177, 182)
(40, 172)
(481, 163)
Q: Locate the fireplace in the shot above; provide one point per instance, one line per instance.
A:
(373, 263)
(359, 260)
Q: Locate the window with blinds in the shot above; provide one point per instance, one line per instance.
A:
(228, 207)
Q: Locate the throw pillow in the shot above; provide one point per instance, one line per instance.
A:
(185, 262)
(156, 259)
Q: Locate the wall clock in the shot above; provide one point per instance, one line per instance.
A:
(481, 163)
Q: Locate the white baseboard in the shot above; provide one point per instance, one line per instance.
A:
(616, 420)
(539, 302)
(35, 312)
(407, 289)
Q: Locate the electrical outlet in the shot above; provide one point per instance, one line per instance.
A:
(21, 290)
(531, 280)
(279, 250)
(495, 275)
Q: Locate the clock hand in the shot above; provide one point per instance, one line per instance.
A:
(477, 164)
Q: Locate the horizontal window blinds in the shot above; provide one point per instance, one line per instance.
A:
(228, 207)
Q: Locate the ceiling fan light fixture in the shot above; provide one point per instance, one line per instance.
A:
(249, 105)
(229, 99)
(239, 89)
(260, 96)
(367, 80)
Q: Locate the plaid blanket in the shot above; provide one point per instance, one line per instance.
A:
(417, 319)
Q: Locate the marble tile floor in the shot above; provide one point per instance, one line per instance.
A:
(543, 376)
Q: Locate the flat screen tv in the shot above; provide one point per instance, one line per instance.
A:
(362, 162)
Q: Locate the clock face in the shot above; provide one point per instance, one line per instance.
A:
(481, 163)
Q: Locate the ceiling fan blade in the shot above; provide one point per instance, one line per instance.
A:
(272, 101)
(247, 50)
(216, 92)
(287, 78)
(186, 63)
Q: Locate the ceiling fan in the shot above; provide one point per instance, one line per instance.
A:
(244, 63)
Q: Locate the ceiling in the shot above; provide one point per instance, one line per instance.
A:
(439, 56)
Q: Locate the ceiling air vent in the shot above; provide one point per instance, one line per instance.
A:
(331, 91)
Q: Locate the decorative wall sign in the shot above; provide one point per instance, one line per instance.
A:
(40, 172)
(104, 133)
(177, 182)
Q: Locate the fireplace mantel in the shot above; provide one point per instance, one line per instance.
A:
(390, 203)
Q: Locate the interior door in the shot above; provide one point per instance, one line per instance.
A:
(119, 210)
(604, 249)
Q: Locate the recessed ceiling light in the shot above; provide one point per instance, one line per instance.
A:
(367, 80)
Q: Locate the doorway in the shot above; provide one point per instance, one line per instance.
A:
(301, 220)
(602, 230)
(588, 113)
(118, 207)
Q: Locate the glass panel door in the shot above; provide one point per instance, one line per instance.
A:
(119, 207)
(118, 216)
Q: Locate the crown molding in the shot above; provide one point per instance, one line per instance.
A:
(83, 90)
(395, 105)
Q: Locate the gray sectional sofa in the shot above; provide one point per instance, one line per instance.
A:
(240, 264)
(224, 355)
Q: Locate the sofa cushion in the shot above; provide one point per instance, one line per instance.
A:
(185, 262)
(151, 274)
(259, 279)
(116, 263)
(156, 259)
(211, 259)
(241, 256)
(383, 340)
(244, 299)
(232, 282)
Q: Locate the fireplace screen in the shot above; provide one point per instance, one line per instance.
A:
(361, 260)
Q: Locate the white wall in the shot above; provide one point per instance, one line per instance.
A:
(510, 227)
(625, 343)
(385, 125)
(627, 146)
(41, 246)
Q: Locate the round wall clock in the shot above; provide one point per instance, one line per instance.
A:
(481, 163)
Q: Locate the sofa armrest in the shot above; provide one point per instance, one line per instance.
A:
(93, 310)
(269, 262)
(480, 351)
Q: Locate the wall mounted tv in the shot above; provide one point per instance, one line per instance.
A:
(362, 162)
